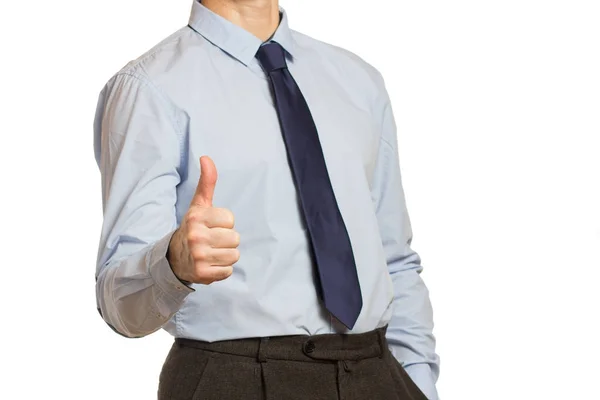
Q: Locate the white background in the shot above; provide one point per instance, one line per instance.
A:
(498, 110)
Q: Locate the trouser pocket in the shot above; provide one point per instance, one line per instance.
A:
(181, 373)
(407, 389)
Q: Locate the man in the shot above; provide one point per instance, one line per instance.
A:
(253, 208)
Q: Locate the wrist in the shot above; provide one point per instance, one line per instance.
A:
(175, 255)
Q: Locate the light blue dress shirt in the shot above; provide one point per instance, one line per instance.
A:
(202, 92)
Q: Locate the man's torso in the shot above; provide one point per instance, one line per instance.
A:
(224, 109)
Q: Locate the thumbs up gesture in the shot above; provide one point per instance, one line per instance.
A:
(204, 248)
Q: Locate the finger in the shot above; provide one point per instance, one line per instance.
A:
(214, 274)
(223, 238)
(215, 257)
(224, 273)
(205, 190)
(224, 257)
(218, 218)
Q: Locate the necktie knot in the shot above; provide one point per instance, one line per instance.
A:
(271, 56)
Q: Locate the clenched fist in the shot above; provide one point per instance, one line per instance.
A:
(204, 248)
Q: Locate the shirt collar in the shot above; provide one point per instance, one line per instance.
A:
(232, 38)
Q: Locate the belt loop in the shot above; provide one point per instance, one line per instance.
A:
(261, 349)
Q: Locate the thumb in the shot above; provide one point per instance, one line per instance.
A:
(206, 185)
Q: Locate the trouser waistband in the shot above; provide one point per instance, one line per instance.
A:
(320, 348)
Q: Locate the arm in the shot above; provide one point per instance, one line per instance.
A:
(410, 330)
(138, 150)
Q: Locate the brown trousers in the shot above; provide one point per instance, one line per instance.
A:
(319, 367)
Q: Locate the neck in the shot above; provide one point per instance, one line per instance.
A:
(259, 17)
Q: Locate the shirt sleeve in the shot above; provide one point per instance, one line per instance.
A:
(409, 332)
(138, 150)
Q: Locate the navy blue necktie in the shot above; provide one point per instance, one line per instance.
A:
(332, 250)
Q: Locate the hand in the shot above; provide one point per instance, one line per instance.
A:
(204, 248)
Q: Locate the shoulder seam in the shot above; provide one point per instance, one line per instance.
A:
(144, 80)
(158, 47)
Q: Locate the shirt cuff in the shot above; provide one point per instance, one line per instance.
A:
(175, 291)
(423, 378)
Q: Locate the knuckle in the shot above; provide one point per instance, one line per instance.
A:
(202, 255)
(195, 236)
(200, 273)
(199, 267)
(192, 217)
(192, 237)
